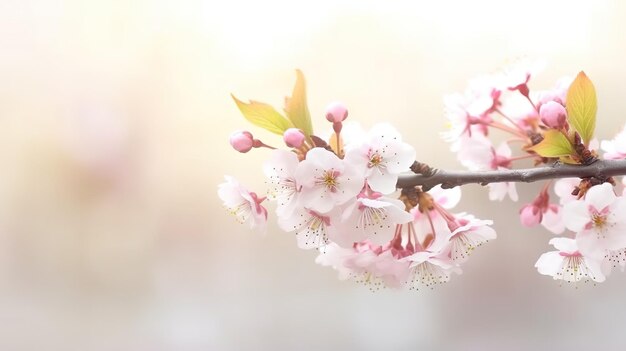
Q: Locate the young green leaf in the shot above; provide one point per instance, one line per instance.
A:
(554, 144)
(582, 106)
(296, 106)
(264, 116)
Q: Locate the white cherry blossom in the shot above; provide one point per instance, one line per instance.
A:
(371, 217)
(564, 187)
(382, 158)
(615, 149)
(568, 263)
(433, 265)
(280, 171)
(366, 264)
(312, 228)
(598, 220)
(326, 180)
(243, 204)
(470, 234)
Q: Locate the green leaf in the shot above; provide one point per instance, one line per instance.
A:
(263, 115)
(296, 106)
(581, 106)
(554, 144)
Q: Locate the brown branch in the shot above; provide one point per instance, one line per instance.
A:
(600, 169)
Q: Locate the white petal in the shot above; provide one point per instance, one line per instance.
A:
(497, 191)
(553, 221)
(402, 161)
(513, 191)
(563, 188)
(385, 131)
(600, 196)
(576, 215)
(504, 150)
(549, 263)
(447, 198)
(566, 245)
(323, 158)
(397, 214)
(384, 183)
(595, 269)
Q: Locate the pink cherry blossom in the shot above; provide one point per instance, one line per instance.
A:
(615, 149)
(365, 263)
(552, 219)
(468, 233)
(517, 75)
(372, 217)
(617, 258)
(568, 263)
(521, 112)
(376, 268)
(432, 265)
(446, 198)
(479, 155)
(382, 158)
(495, 159)
(542, 211)
(243, 204)
(501, 161)
(280, 171)
(564, 187)
(598, 220)
(326, 180)
(462, 124)
(483, 96)
(312, 228)
(557, 94)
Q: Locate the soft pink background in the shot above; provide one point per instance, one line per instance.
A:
(114, 120)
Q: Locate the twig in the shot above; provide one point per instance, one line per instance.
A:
(600, 169)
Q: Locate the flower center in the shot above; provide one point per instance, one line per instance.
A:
(375, 160)
(329, 180)
(598, 220)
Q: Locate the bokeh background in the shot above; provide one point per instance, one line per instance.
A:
(114, 125)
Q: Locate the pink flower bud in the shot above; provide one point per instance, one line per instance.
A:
(336, 112)
(293, 137)
(242, 141)
(553, 114)
(530, 215)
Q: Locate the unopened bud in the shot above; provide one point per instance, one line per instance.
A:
(553, 114)
(242, 141)
(336, 112)
(293, 137)
(530, 215)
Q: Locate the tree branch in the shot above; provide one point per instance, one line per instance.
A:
(600, 169)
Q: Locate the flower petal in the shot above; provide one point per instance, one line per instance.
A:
(575, 215)
(600, 196)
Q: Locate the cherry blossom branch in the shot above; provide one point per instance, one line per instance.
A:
(428, 177)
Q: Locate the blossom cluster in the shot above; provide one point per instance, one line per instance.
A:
(590, 214)
(338, 195)
(337, 191)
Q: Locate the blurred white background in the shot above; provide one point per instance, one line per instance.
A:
(114, 125)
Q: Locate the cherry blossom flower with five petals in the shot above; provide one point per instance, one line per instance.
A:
(568, 263)
(598, 220)
(243, 204)
(382, 158)
(326, 180)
